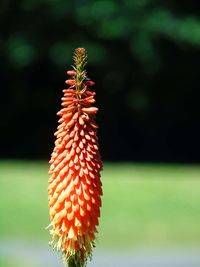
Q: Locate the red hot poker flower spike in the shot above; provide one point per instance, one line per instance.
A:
(74, 191)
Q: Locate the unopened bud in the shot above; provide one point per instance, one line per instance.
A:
(90, 83)
(71, 72)
(70, 82)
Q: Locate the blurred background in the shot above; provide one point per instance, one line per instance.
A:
(144, 56)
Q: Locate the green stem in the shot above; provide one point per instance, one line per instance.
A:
(72, 263)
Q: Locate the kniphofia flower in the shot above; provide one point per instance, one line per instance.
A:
(74, 191)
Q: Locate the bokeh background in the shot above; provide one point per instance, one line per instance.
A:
(144, 56)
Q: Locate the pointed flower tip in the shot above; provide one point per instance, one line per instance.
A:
(80, 56)
(80, 51)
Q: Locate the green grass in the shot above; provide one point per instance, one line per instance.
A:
(143, 205)
(5, 262)
(15, 262)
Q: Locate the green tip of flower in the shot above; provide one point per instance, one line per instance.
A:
(80, 58)
(80, 51)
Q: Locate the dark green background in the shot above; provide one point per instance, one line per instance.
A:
(144, 56)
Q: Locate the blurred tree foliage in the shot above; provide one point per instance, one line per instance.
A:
(143, 54)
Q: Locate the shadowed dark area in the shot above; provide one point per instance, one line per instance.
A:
(143, 55)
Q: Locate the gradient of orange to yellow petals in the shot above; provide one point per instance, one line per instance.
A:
(74, 190)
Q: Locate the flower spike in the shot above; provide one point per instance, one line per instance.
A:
(74, 190)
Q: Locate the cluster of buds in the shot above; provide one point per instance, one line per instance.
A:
(74, 190)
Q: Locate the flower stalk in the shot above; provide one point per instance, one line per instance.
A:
(74, 190)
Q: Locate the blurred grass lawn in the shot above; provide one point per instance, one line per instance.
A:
(143, 205)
